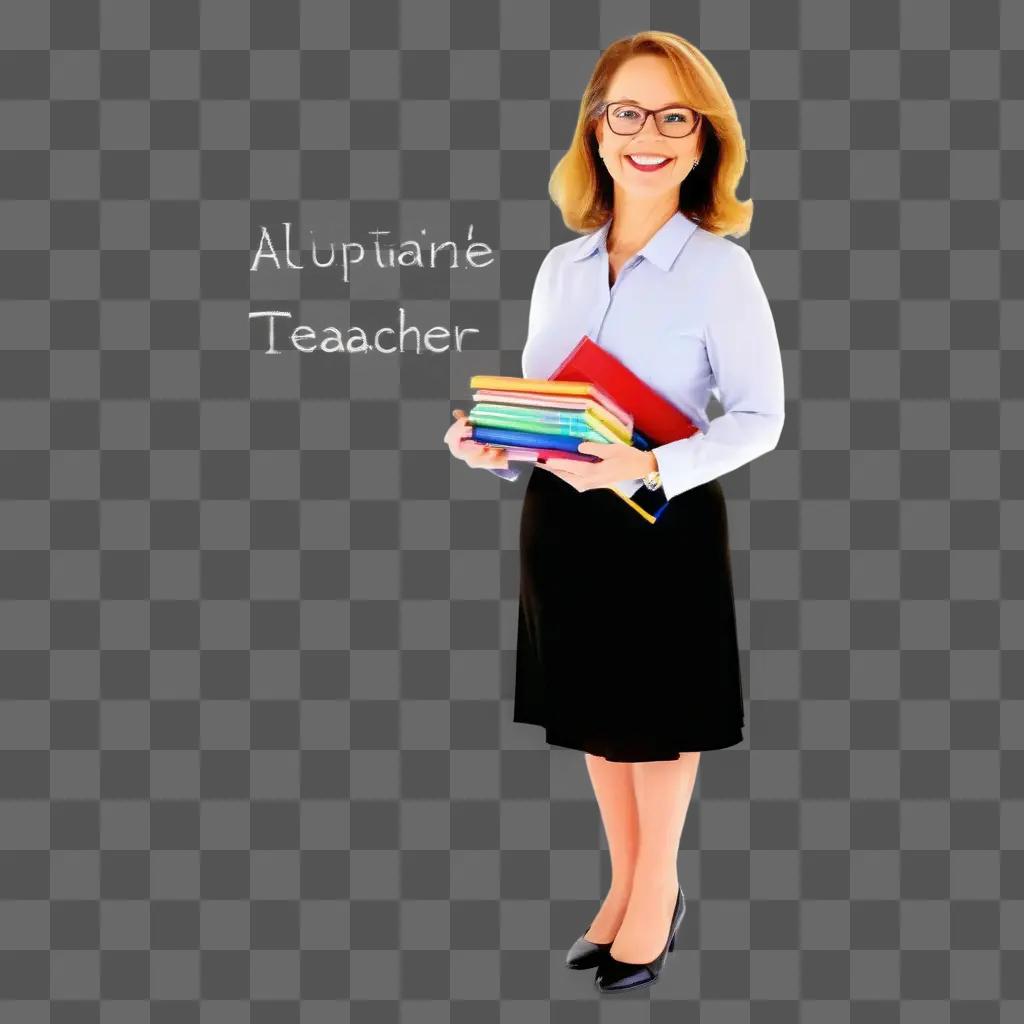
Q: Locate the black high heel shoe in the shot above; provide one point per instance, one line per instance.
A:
(583, 954)
(621, 976)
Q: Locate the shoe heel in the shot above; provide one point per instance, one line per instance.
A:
(672, 944)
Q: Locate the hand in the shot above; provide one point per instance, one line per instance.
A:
(479, 456)
(618, 462)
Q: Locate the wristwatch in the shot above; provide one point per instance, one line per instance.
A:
(653, 480)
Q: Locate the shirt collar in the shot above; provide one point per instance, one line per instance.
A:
(661, 249)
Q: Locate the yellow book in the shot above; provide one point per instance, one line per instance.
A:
(541, 384)
(606, 429)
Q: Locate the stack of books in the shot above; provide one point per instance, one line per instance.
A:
(591, 396)
(536, 419)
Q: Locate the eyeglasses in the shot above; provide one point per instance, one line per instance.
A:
(630, 118)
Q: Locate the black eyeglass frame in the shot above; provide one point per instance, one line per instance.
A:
(605, 107)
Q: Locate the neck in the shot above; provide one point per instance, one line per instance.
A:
(635, 221)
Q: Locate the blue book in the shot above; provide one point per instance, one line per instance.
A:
(509, 437)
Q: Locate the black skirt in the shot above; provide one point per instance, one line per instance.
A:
(627, 644)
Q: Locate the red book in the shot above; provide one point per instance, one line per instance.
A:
(653, 414)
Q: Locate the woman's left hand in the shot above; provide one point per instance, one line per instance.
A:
(618, 462)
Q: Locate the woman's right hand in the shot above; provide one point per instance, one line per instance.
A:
(473, 453)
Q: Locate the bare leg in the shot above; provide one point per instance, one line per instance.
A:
(613, 787)
(663, 790)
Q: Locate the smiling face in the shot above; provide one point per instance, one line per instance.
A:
(648, 82)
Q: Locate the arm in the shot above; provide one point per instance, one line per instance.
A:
(533, 319)
(743, 350)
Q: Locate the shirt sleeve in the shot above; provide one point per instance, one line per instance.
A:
(533, 319)
(743, 351)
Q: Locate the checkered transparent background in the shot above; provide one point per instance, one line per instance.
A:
(257, 761)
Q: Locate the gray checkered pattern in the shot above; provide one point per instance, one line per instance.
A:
(257, 761)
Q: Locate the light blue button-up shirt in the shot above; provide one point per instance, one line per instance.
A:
(687, 314)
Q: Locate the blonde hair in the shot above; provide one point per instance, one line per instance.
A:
(581, 186)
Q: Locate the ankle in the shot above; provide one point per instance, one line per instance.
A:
(617, 893)
(622, 881)
(657, 884)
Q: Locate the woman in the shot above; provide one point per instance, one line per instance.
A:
(627, 643)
